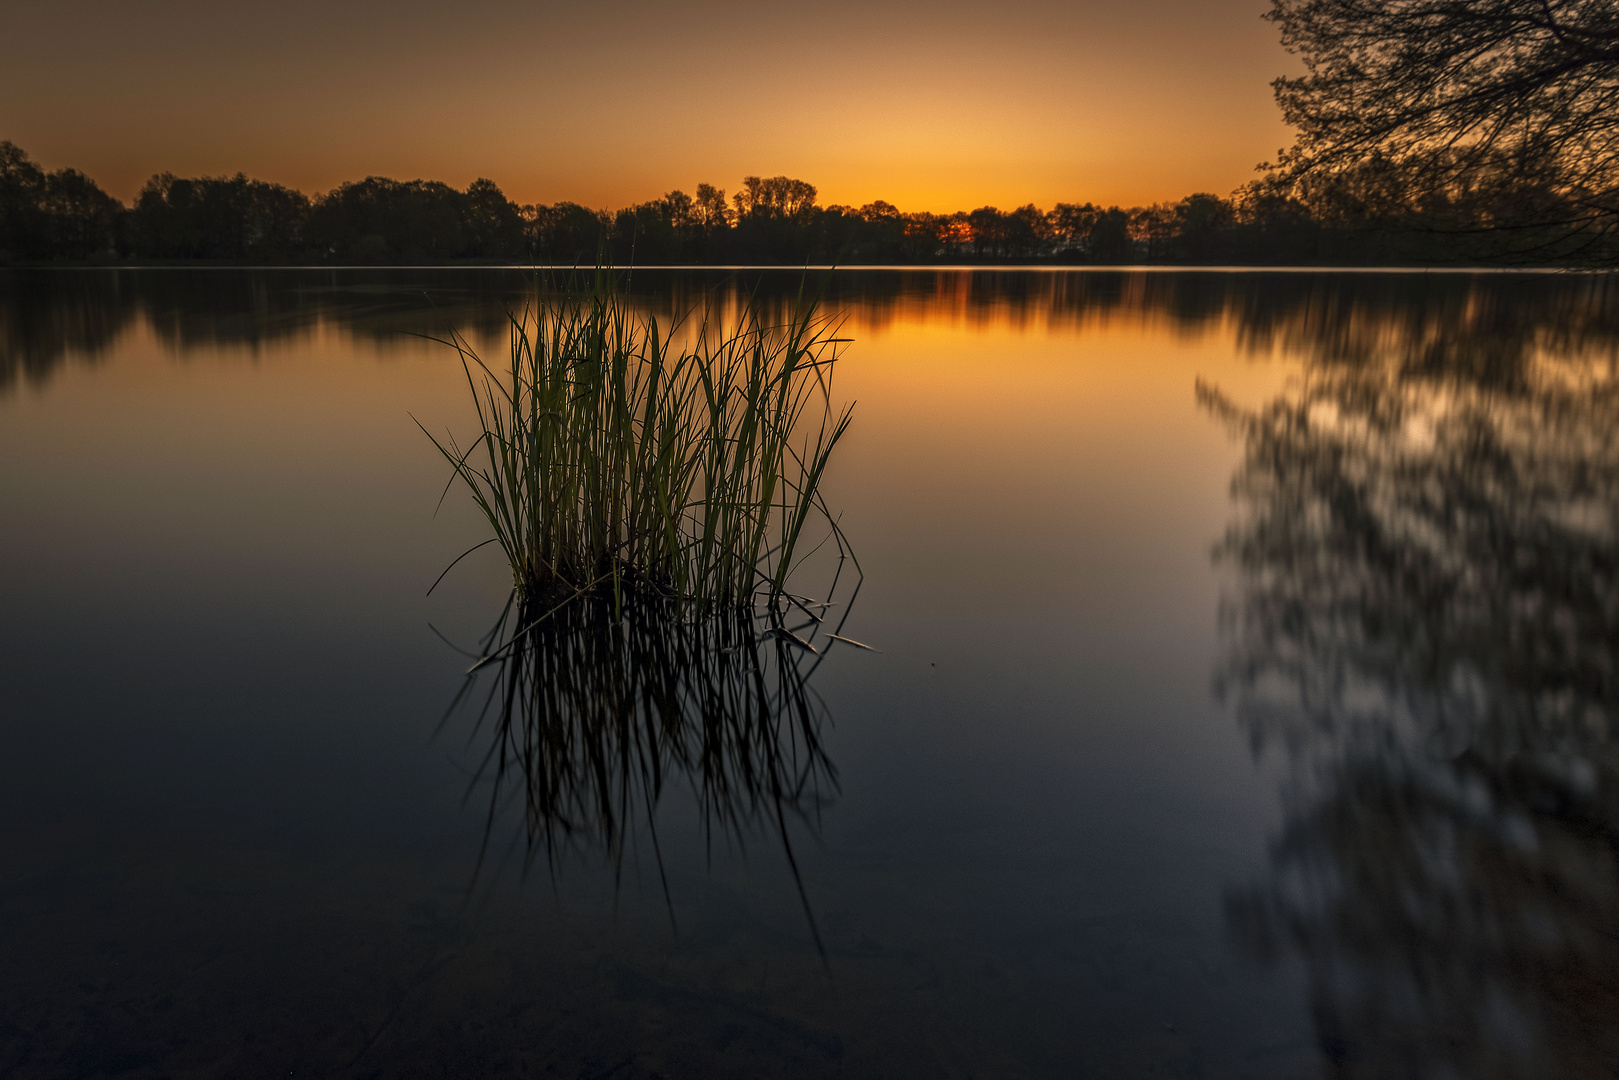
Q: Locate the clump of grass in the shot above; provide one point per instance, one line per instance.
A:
(611, 458)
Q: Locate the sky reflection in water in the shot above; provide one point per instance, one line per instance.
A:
(1384, 842)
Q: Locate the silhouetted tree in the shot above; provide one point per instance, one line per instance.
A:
(225, 218)
(774, 219)
(22, 186)
(1501, 113)
(779, 197)
(53, 216)
(1109, 240)
(1071, 225)
(988, 226)
(1026, 233)
(1374, 212)
(673, 229)
(1203, 226)
(383, 220)
(923, 237)
(709, 210)
(955, 234)
(884, 229)
(494, 224)
(566, 234)
(81, 220)
(1271, 224)
(708, 221)
(1152, 231)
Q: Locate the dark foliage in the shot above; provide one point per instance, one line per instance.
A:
(1366, 215)
(52, 215)
(230, 219)
(377, 220)
(1492, 117)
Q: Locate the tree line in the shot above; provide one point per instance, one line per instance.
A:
(1427, 132)
(1491, 119)
(1359, 215)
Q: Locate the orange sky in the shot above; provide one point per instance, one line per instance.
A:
(937, 107)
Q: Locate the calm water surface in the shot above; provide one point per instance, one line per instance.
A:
(1245, 706)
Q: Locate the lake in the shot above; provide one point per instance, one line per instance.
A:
(1241, 699)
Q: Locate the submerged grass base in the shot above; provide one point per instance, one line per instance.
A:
(609, 459)
(652, 501)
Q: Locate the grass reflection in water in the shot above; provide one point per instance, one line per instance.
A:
(590, 708)
(652, 502)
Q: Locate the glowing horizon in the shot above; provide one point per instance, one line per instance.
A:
(1033, 102)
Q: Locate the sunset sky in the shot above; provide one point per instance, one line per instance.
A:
(933, 107)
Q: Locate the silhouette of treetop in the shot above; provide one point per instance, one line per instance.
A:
(1523, 93)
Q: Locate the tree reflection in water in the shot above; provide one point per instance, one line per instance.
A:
(1426, 555)
(595, 704)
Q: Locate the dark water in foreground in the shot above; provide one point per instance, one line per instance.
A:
(1246, 705)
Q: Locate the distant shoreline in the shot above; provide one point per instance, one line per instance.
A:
(1037, 267)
